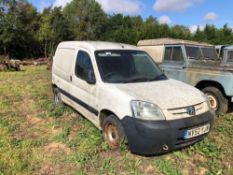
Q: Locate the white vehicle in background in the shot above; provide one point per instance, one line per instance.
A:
(122, 91)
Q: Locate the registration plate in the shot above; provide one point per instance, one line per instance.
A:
(190, 133)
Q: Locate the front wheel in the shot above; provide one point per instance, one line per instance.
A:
(218, 102)
(113, 132)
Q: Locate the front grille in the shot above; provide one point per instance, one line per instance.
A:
(177, 113)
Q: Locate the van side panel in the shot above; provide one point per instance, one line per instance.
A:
(156, 52)
(62, 66)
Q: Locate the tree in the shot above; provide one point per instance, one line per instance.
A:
(199, 35)
(87, 19)
(150, 28)
(18, 22)
(181, 32)
(225, 35)
(113, 25)
(121, 28)
(164, 31)
(54, 28)
(210, 32)
(25, 33)
(45, 33)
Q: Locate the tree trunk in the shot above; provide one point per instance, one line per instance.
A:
(4, 50)
(45, 49)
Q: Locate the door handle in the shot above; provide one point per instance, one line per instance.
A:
(71, 78)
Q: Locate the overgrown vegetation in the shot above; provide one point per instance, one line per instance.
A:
(26, 33)
(38, 138)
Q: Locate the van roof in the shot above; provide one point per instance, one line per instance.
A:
(170, 41)
(96, 45)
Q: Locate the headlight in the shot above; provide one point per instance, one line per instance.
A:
(146, 111)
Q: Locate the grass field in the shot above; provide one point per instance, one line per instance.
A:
(38, 138)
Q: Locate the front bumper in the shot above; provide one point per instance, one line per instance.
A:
(159, 137)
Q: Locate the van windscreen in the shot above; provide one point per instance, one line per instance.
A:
(126, 66)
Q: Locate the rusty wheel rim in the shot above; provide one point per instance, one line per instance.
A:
(111, 135)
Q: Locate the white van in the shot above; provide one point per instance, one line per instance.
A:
(124, 93)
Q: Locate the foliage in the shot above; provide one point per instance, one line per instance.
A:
(87, 19)
(18, 23)
(26, 33)
(53, 29)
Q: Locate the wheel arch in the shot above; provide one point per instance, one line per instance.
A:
(103, 114)
(208, 83)
(54, 85)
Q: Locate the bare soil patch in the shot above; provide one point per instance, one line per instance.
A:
(54, 147)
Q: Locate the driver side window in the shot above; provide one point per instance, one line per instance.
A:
(83, 65)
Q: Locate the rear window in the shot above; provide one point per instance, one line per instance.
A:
(201, 53)
(193, 52)
(209, 53)
(173, 53)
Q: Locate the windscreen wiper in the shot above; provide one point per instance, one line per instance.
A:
(137, 79)
(160, 77)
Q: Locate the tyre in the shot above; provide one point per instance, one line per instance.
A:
(57, 97)
(113, 132)
(218, 101)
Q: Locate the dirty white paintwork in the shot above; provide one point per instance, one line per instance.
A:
(155, 52)
(167, 94)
